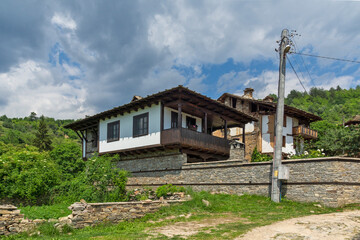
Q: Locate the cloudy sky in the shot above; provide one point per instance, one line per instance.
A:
(68, 59)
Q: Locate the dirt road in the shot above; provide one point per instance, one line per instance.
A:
(334, 226)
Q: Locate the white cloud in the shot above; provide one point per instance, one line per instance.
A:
(71, 70)
(267, 83)
(32, 86)
(63, 21)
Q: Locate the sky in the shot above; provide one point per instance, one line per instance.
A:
(68, 59)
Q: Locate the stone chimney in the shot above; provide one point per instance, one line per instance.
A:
(268, 99)
(248, 93)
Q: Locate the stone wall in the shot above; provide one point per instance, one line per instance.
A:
(331, 181)
(90, 214)
(83, 214)
(11, 221)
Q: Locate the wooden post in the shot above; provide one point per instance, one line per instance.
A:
(243, 136)
(225, 130)
(162, 117)
(205, 123)
(179, 116)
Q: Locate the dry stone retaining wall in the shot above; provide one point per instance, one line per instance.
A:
(333, 181)
(83, 214)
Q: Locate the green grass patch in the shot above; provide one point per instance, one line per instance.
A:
(257, 211)
(46, 211)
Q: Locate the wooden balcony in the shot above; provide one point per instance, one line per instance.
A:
(304, 132)
(196, 141)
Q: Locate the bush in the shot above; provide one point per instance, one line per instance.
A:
(27, 175)
(100, 181)
(68, 156)
(168, 188)
(256, 156)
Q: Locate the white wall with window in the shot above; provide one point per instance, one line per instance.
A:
(126, 135)
(288, 145)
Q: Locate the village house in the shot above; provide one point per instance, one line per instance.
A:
(261, 133)
(355, 121)
(172, 122)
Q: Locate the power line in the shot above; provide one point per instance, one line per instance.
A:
(297, 76)
(298, 66)
(302, 59)
(331, 58)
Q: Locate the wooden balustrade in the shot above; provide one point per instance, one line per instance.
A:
(305, 132)
(195, 140)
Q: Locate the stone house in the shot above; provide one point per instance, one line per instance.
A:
(177, 122)
(261, 133)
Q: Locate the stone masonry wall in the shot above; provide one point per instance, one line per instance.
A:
(83, 214)
(331, 181)
(90, 214)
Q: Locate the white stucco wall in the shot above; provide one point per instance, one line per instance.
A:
(167, 119)
(249, 128)
(287, 132)
(126, 140)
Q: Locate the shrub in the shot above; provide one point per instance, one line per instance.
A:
(68, 156)
(100, 181)
(168, 188)
(27, 175)
(256, 156)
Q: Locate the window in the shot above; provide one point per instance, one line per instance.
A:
(253, 107)
(113, 131)
(141, 125)
(233, 102)
(174, 119)
(284, 141)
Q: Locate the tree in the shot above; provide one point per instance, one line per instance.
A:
(32, 116)
(42, 137)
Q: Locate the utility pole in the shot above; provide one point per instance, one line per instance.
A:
(276, 184)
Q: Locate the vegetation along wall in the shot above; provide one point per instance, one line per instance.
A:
(332, 181)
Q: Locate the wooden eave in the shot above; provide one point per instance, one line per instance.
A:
(289, 110)
(179, 93)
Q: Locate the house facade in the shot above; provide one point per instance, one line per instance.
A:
(261, 134)
(175, 121)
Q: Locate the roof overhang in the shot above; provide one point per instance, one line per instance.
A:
(179, 93)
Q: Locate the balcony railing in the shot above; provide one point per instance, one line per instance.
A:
(305, 132)
(195, 140)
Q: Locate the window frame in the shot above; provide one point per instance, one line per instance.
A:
(112, 124)
(174, 119)
(136, 118)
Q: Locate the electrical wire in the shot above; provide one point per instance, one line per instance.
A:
(297, 76)
(331, 58)
(302, 59)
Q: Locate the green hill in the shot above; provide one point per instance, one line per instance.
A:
(335, 105)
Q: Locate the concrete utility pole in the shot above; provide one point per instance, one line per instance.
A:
(276, 185)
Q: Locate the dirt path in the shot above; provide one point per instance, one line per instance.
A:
(185, 229)
(344, 225)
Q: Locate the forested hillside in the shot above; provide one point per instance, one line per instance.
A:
(21, 131)
(335, 105)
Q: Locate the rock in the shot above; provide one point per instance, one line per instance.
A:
(52, 220)
(83, 201)
(318, 205)
(207, 203)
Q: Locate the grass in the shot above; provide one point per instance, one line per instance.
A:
(46, 211)
(257, 210)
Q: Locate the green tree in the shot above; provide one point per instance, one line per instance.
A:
(42, 137)
(32, 116)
